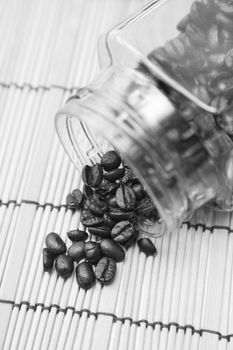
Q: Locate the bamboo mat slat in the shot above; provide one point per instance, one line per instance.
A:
(180, 299)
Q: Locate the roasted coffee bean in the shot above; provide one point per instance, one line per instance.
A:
(213, 37)
(112, 249)
(124, 163)
(100, 201)
(89, 219)
(95, 209)
(77, 251)
(216, 60)
(101, 231)
(229, 59)
(220, 103)
(225, 8)
(183, 23)
(107, 188)
(144, 206)
(55, 244)
(198, 15)
(224, 21)
(85, 275)
(138, 191)
(105, 270)
(119, 214)
(74, 200)
(93, 252)
(108, 221)
(123, 231)
(114, 174)
(110, 160)
(87, 191)
(92, 175)
(125, 197)
(146, 246)
(64, 265)
(112, 202)
(77, 235)
(48, 259)
(196, 36)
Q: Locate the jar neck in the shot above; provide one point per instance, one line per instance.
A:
(125, 108)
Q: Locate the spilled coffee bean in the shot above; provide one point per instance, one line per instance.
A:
(85, 275)
(55, 244)
(92, 252)
(112, 249)
(89, 219)
(123, 232)
(146, 246)
(115, 174)
(101, 231)
(48, 259)
(105, 270)
(125, 197)
(74, 200)
(64, 265)
(92, 175)
(77, 235)
(77, 251)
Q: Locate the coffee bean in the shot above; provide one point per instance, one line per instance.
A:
(110, 160)
(129, 177)
(105, 270)
(114, 174)
(125, 197)
(74, 200)
(107, 188)
(138, 191)
(213, 37)
(112, 249)
(220, 103)
(146, 246)
(77, 235)
(48, 259)
(100, 201)
(183, 23)
(93, 252)
(229, 59)
(123, 231)
(92, 175)
(87, 191)
(124, 163)
(64, 265)
(226, 9)
(108, 221)
(196, 36)
(119, 214)
(144, 206)
(85, 275)
(224, 21)
(77, 251)
(102, 231)
(95, 209)
(89, 219)
(55, 244)
(112, 202)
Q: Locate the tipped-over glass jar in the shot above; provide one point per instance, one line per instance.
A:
(164, 101)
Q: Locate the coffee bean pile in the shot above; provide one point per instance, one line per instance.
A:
(201, 57)
(111, 201)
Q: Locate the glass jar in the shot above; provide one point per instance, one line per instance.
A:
(163, 101)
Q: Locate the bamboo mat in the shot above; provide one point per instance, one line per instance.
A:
(181, 299)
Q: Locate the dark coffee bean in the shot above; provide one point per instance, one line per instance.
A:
(108, 221)
(220, 103)
(55, 244)
(125, 197)
(114, 174)
(229, 59)
(89, 219)
(100, 201)
(213, 37)
(144, 206)
(92, 175)
(139, 191)
(107, 188)
(146, 246)
(110, 160)
(124, 163)
(216, 60)
(119, 215)
(77, 251)
(77, 235)
(196, 36)
(93, 252)
(226, 8)
(198, 14)
(85, 275)
(48, 259)
(105, 270)
(95, 209)
(224, 21)
(64, 265)
(87, 191)
(102, 231)
(112, 249)
(112, 202)
(74, 200)
(123, 231)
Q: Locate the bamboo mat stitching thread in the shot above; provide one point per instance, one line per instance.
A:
(116, 318)
(38, 87)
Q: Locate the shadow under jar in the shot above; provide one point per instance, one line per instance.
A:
(163, 101)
